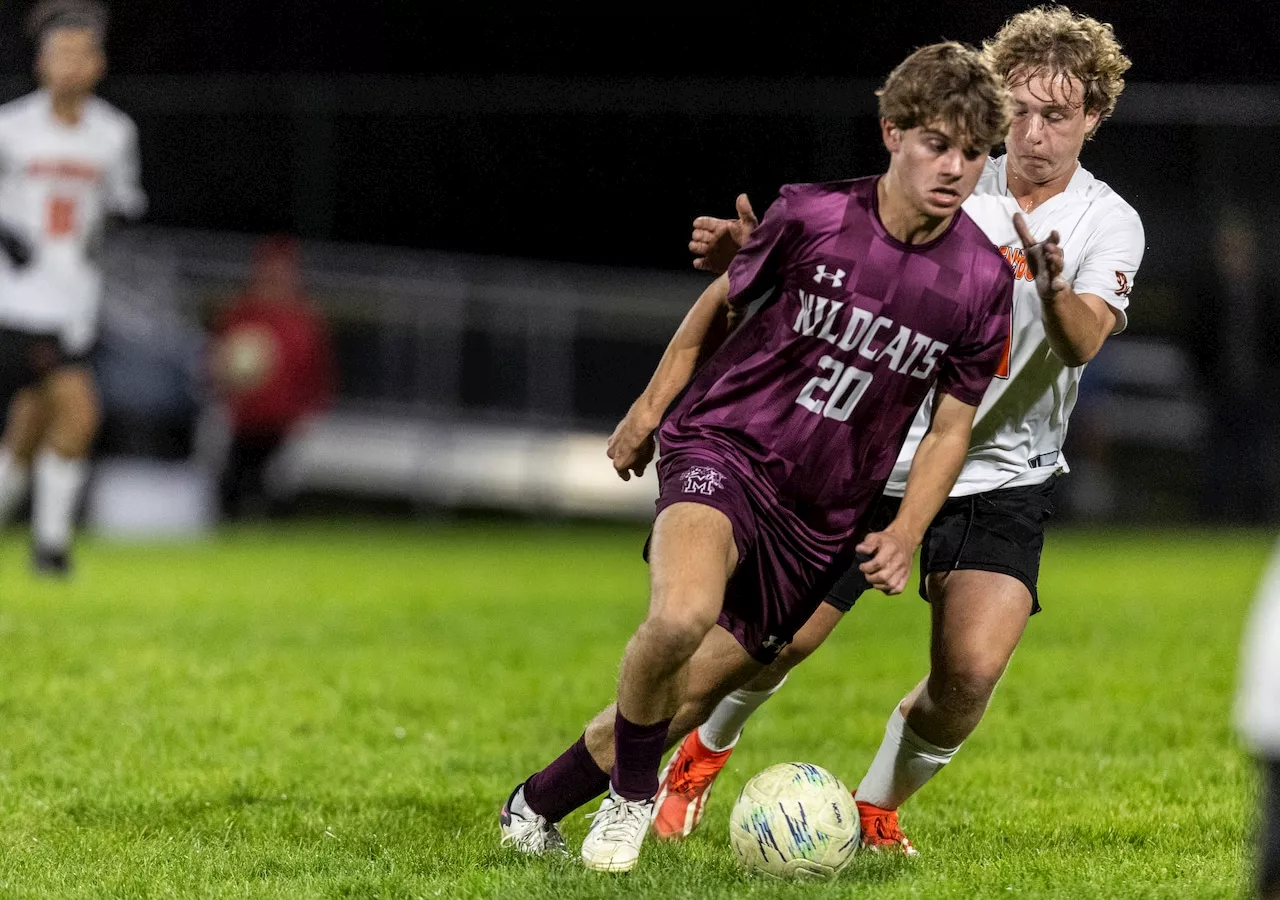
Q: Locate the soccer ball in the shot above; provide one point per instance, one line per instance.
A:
(794, 820)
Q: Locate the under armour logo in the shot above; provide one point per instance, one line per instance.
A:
(774, 644)
(837, 279)
(702, 480)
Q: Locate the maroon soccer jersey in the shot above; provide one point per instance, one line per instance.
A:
(812, 398)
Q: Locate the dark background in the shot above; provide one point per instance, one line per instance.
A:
(478, 164)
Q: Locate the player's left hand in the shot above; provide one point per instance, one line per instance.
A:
(631, 447)
(1044, 259)
(715, 242)
(890, 564)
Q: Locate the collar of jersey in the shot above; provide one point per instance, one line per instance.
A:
(1081, 180)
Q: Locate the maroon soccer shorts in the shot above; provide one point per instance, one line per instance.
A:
(779, 581)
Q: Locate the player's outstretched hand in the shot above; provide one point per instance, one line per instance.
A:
(890, 564)
(716, 241)
(1044, 259)
(631, 447)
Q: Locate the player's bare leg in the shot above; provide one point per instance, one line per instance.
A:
(713, 720)
(978, 619)
(61, 466)
(26, 424)
(718, 667)
(691, 557)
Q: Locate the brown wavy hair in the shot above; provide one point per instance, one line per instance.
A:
(951, 83)
(1054, 41)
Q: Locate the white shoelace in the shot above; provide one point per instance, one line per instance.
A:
(532, 835)
(621, 819)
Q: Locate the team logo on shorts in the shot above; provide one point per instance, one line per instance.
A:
(702, 480)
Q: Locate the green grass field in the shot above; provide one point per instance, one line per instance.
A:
(340, 710)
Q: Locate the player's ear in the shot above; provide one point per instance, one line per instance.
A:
(1091, 120)
(891, 134)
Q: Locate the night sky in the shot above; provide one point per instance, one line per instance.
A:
(615, 185)
(1170, 41)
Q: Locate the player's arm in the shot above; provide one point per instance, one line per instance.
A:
(1076, 324)
(126, 201)
(934, 469)
(631, 446)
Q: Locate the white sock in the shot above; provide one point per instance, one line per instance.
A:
(14, 480)
(724, 726)
(904, 762)
(57, 491)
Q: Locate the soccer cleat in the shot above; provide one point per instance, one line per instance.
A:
(617, 830)
(56, 563)
(527, 831)
(685, 786)
(880, 830)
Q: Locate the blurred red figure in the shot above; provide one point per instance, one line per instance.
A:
(272, 365)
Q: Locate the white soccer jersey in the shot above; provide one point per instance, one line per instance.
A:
(1258, 704)
(1022, 421)
(58, 183)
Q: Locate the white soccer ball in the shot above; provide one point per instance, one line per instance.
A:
(795, 820)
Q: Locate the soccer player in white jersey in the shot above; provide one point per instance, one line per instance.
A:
(68, 161)
(980, 559)
(1258, 718)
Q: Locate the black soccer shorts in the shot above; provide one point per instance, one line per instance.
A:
(26, 358)
(997, 531)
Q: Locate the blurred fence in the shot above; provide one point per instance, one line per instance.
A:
(610, 171)
(477, 381)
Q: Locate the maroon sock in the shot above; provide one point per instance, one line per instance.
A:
(637, 755)
(570, 781)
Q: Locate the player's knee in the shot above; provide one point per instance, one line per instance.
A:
(675, 634)
(966, 689)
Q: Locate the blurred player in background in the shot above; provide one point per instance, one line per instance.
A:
(273, 367)
(980, 559)
(1258, 718)
(776, 453)
(68, 162)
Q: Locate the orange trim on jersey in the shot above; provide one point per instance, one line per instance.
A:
(63, 168)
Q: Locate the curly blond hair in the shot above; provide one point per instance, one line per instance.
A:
(949, 83)
(1054, 41)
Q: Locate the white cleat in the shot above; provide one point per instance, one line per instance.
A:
(617, 830)
(527, 831)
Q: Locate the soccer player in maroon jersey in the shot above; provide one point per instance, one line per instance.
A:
(980, 558)
(776, 449)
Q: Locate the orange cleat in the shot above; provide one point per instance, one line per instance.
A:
(881, 831)
(684, 786)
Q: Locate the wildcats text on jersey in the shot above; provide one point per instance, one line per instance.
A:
(858, 329)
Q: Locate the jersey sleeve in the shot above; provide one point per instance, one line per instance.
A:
(755, 269)
(967, 370)
(1111, 259)
(124, 194)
